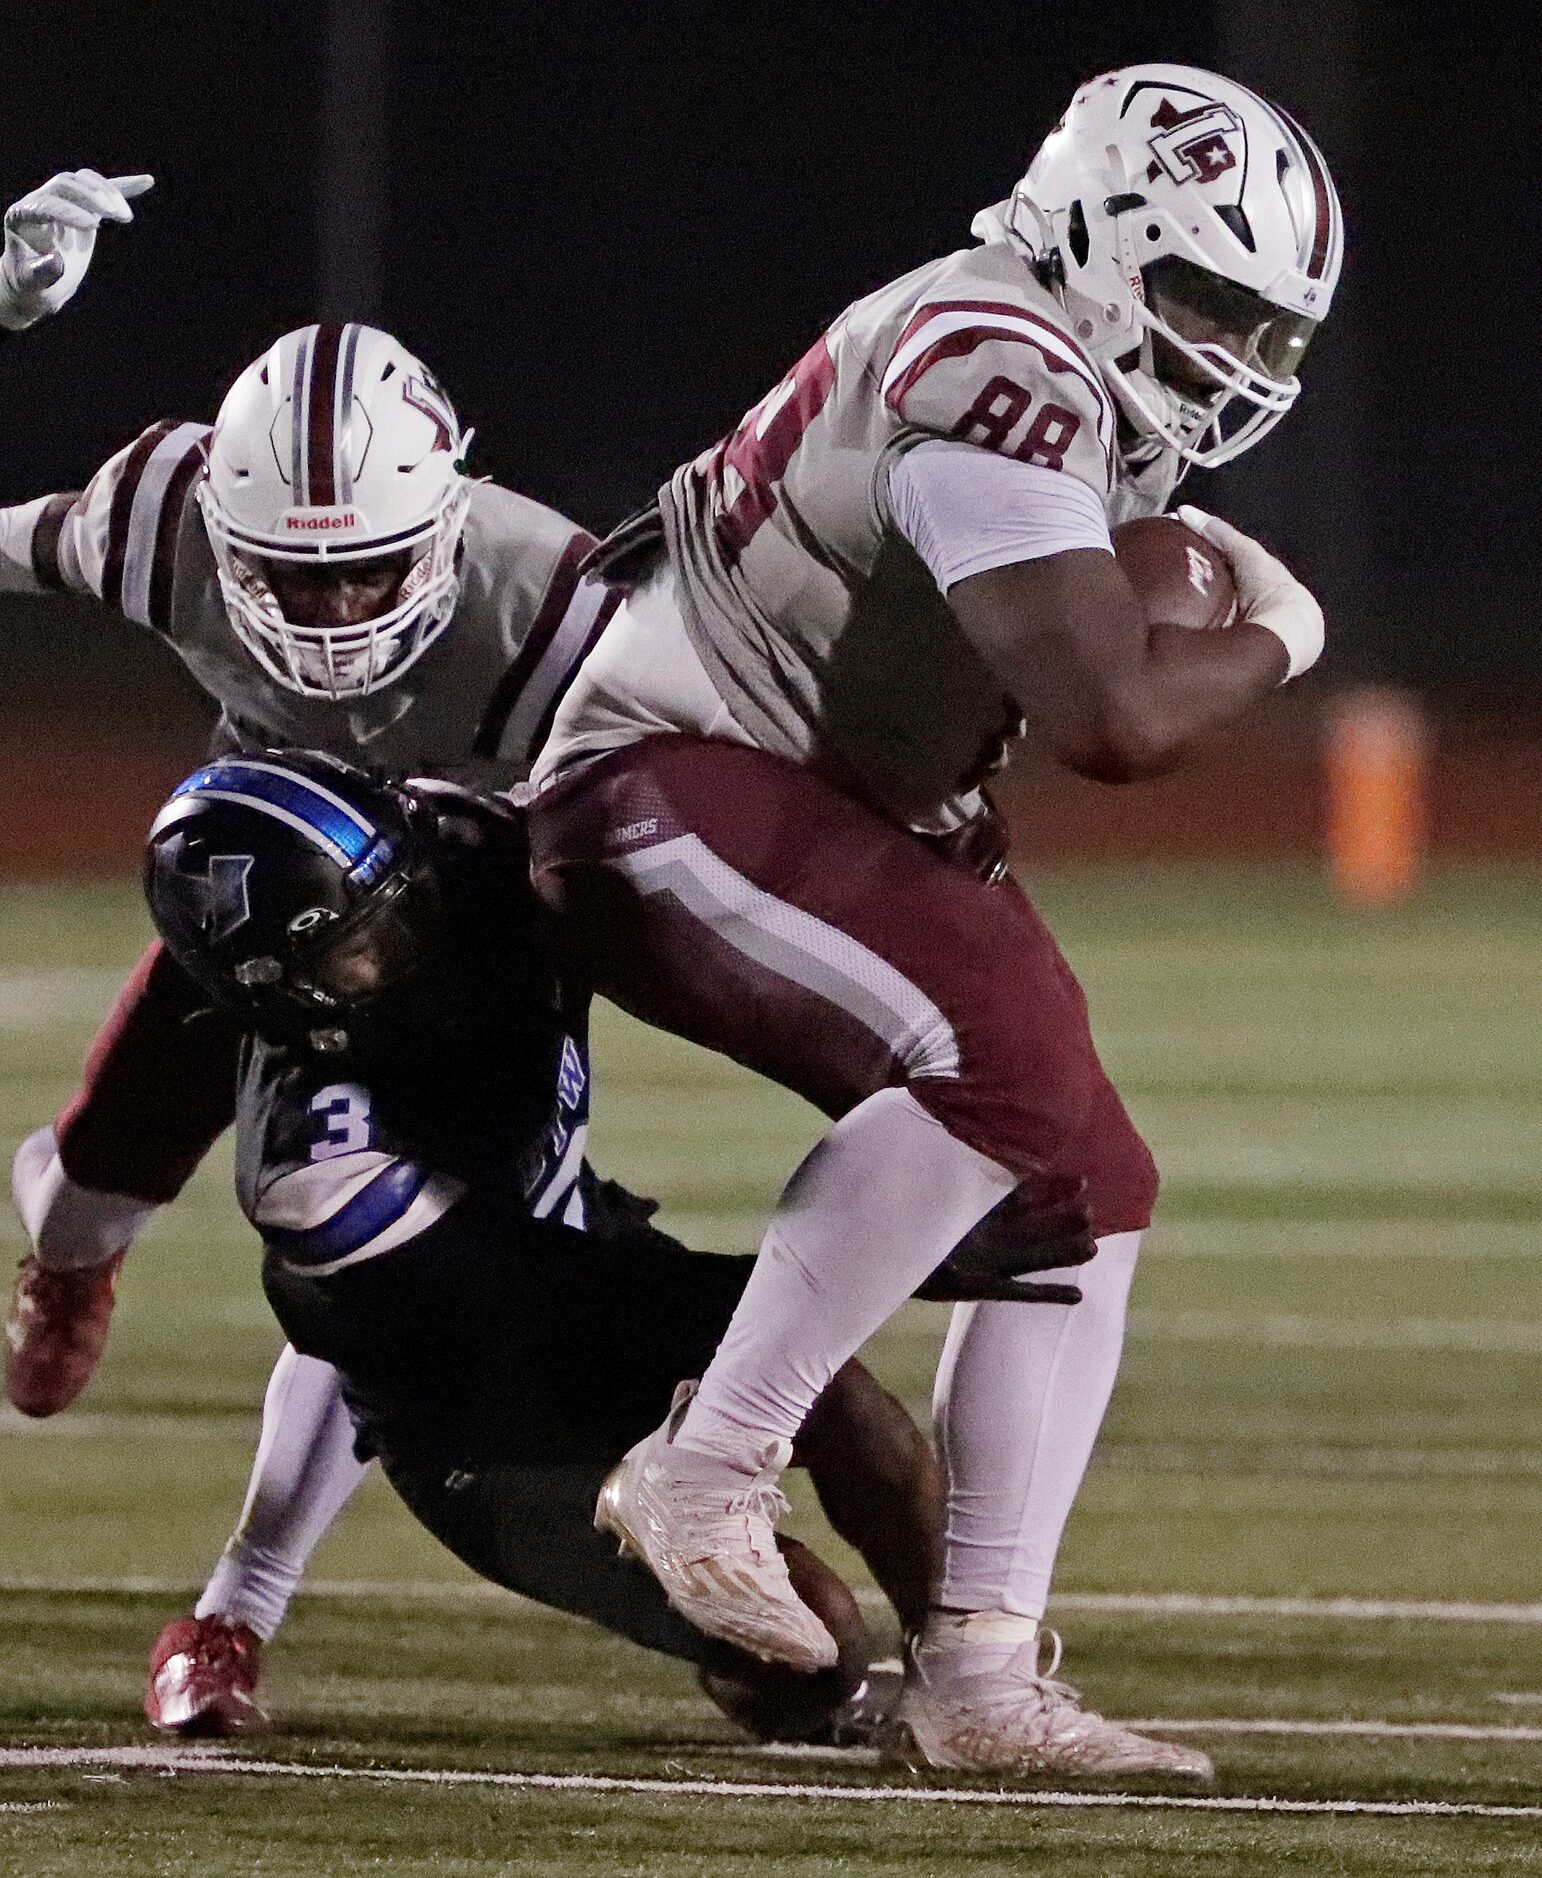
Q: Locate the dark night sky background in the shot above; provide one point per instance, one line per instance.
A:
(610, 228)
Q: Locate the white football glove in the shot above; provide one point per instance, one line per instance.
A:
(49, 236)
(1268, 593)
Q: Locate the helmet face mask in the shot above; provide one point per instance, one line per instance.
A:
(1193, 234)
(337, 448)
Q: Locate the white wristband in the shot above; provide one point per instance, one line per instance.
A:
(1268, 593)
(1301, 635)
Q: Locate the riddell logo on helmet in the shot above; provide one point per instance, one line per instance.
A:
(320, 519)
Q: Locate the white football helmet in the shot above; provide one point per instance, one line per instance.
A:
(1194, 236)
(337, 446)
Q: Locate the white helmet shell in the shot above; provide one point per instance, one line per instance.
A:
(338, 445)
(1159, 161)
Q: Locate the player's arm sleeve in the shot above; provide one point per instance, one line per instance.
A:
(323, 1216)
(117, 540)
(1006, 379)
(31, 536)
(964, 509)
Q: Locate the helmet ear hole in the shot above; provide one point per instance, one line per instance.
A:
(1076, 234)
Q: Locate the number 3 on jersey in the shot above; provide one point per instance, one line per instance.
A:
(342, 1116)
(756, 456)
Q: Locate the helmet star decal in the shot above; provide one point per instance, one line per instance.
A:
(1194, 146)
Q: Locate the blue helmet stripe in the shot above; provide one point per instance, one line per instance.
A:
(305, 806)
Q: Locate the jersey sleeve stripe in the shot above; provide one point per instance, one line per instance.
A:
(950, 329)
(492, 735)
(550, 1198)
(402, 1201)
(589, 615)
(122, 508)
(168, 529)
(161, 487)
(46, 570)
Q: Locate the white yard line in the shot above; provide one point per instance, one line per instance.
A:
(1276, 1725)
(1365, 1730)
(1470, 1337)
(126, 1425)
(1319, 1461)
(31, 999)
(1085, 1603)
(1354, 1610)
(207, 1762)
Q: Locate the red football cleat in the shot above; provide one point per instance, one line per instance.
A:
(203, 1678)
(56, 1332)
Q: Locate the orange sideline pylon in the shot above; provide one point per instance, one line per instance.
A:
(1377, 753)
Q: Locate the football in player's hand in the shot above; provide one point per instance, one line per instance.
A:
(1180, 579)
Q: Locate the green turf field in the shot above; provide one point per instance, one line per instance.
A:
(1331, 1394)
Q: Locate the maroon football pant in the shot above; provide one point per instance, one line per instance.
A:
(743, 903)
(158, 1090)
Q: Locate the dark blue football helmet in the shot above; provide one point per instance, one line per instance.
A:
(299, 891)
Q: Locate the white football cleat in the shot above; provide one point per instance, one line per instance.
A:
(708, 1534)
(984, 1707)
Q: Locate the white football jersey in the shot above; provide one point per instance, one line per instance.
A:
(816, 620)
(478, 702)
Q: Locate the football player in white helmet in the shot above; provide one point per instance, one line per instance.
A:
(50, 236)
(329, 573)
(846, 613)
(1195, 247)
(338, 563)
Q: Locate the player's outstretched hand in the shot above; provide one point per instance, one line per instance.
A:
(1022, 1235)
(49, 237)
(1268, 593)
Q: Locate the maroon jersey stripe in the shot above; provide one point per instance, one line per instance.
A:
(966, 338)
(168, 526)
(123, 507)
(1001, 309)
(965, 341)
(543, 629)
(321, 439)
(45, 541)
(602, 619)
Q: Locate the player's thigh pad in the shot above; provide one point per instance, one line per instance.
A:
(746, 904)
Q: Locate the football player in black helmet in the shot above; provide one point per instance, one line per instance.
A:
(410, 1146)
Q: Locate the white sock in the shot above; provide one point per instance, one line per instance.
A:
(70, 1227)
(303, 1475)
(1021, 1392)
(875, 1207)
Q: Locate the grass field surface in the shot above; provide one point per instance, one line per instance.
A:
(1309, 1541)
